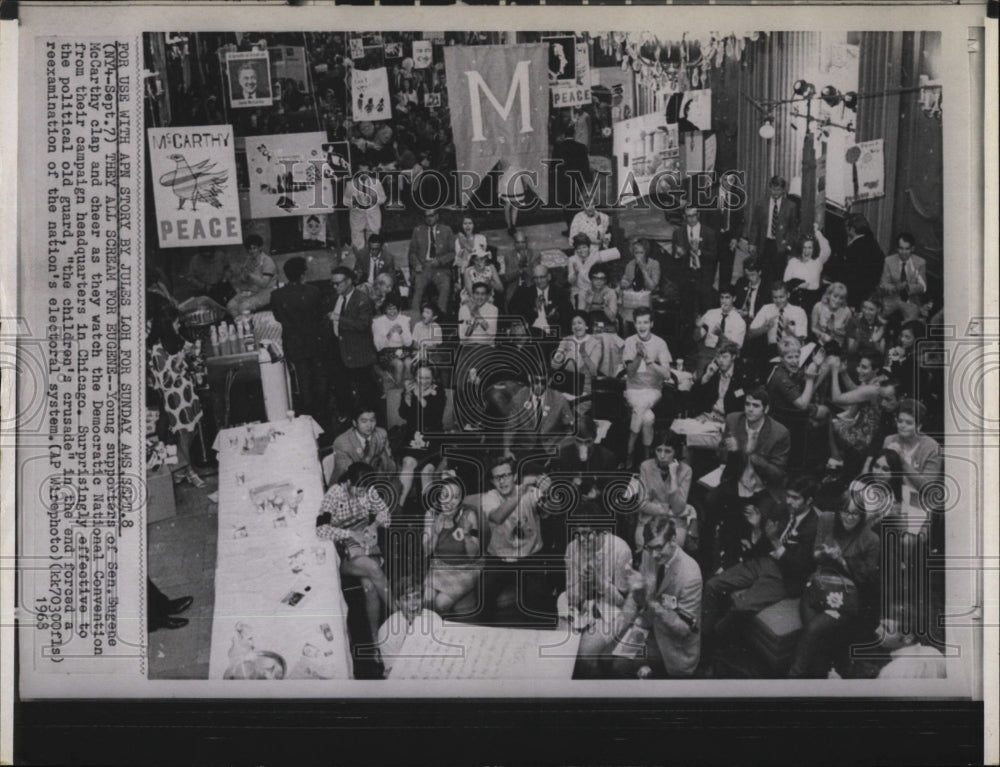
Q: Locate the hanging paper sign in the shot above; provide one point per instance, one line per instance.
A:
(286, 175)
(690, 110)
(394, 50)
(869, 169)
(423, 54)
(562, 59)
(432, 99)
(314, 230)
(357, 48)
(646, 149)
(499, 103)
(370, 95)
(249, 77)
(566, 91)
(194, 186)
(289, 62)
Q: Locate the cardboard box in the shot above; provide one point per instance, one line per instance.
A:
(160, 495)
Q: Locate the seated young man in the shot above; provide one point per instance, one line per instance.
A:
(754, 450)
(511, 515)
(716, 327)
(662, 614)
(363, 442)
(778, 569)
(410, 617)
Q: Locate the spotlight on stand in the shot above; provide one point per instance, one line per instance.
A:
(851, 101)
(830, 95)
(766, 131)
(804, 89)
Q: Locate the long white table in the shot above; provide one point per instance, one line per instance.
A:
(269, 554)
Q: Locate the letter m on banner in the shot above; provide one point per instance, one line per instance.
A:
(498, 99)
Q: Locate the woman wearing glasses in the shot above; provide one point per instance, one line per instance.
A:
(843, 592)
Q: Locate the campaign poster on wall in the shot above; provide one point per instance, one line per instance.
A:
(249, 77)
(286, 175)
(370, 95)
(194, 186)
(690, 110)
(644, 147)
(423, 54)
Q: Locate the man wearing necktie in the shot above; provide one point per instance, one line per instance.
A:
(904, 280)
(779, 573)
(431, 254)
(696, 245)
(771, 227)
(365, 442)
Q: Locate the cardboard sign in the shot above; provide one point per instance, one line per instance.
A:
(370, 95)
(194, 186)
(286, 175)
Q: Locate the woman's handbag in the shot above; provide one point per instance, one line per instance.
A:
(829, 590)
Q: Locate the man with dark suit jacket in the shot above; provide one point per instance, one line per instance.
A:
(754, 450)
(299, 309)
(721, 388)
(365, 442)
(431, 254)
(352, 327)
(571, 169)
(518, 265)
(540, 417)
(544, 308)
(371, 261)
(777, 573)
(772, 228)
(751, 292)
(860, 265)
(697, 246)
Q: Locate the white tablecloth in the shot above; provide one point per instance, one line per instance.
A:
(263, 559)
(465, 651)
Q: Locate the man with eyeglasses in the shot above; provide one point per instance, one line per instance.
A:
(352, 328)
(510, 512)
(431, 254)
(662, 614)
(544, 308)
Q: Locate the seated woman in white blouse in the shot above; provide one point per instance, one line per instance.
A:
(806, 264)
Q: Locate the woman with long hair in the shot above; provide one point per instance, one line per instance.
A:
(452, 544)
(846, 554)
(171, 378)
(808, 257)
(854, 429)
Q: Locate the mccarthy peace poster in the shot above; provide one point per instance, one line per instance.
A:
(499, 101)
(194, 186)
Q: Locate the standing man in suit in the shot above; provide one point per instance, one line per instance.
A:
(431, 254)
(299, 309)
(772, 228)
(518, 264)
(352, 326)
(860, 266)
(904, 280)
(698, 244)
(747, 588)
(754, 450)
(665, 598)
(571, 170)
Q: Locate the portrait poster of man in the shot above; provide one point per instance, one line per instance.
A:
(249, 76)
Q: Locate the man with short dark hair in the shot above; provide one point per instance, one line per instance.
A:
(431, 254)
(778, 572)
(352, 327)
(365, 442)
(772, 228)
(904, 280)
(299, 309)
(754, 451)
(665, 601)
(861, 264)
